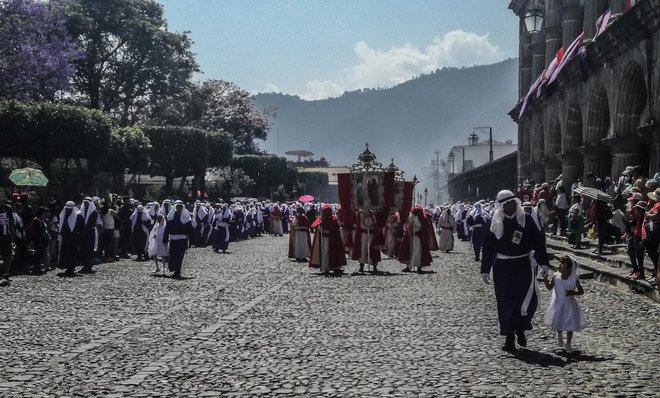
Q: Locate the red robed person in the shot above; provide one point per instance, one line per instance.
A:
(415, 251)
(327, 248)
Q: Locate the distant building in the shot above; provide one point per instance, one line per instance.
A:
(326, 193)
(466, 157)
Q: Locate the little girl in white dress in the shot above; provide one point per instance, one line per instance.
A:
(564, 313)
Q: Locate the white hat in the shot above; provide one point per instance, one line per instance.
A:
(505, 196)
(70, 205)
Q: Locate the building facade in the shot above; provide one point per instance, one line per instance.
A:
(484, 182)
(463, 158)
(588, 85)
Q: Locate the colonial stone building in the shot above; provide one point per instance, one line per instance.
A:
(593, 106)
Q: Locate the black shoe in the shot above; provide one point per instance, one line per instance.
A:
(509, 344)
(477, 258)
(522, 340)
(419, 270)
(361, 267)
(406, 269)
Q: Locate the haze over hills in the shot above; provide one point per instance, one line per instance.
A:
(407, 122)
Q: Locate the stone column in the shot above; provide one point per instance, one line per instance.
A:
(572, 21)
(537, 172)
(625, 152)
(571, 167)
(525, 60)
(553, 29)
(538, 55)
(552, 169)
(592, 10)
(618, 8)
(597, 160)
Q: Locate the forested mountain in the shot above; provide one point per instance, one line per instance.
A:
(407, 122)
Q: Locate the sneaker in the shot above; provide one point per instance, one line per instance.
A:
(568, 349)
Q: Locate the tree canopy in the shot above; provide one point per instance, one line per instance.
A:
(37, 56)
(130, 60)
(218, 106)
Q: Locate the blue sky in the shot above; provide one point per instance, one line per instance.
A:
(319, 48)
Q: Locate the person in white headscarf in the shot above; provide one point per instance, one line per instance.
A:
(446, 227)
(564, 313)
(140, 224)
(199, 215)
(157, 248)
(178, 232)
(88, 235)
(477, 220)
(513, 248)
(71, 226)
(221, 237)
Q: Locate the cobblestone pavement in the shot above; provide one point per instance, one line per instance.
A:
(254, 323)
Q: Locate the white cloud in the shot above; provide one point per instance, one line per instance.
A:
(376, 67)
(323, 89)
(272, 88)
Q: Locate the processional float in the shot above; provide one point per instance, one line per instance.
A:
(368, 194)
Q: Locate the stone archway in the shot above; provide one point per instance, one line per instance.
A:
(631, 101)
(572, 137)
(553, 137)
(598, 119)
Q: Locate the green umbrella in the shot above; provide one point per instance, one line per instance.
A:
(28, 177)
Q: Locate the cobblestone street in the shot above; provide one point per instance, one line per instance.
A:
(253, 322)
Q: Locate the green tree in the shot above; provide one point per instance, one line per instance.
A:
(268, 172)
(177, 152)
(46, 131)
(130, 60)
(129, 149)
(218, 105)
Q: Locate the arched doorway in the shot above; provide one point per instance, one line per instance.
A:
(598, 119)
(631, 101)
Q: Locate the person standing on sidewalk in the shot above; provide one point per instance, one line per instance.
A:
(7, 227)
(635, 239)
(652, 229)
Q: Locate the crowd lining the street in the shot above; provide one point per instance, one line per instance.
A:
(510, 230)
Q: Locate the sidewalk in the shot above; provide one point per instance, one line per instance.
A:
(608, 268)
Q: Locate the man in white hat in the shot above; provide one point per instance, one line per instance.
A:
(513, 247)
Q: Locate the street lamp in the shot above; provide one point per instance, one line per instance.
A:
(473, 139)
(426, 194)
(452, 158)
(534, 20)
(414, 181)
(490, 139)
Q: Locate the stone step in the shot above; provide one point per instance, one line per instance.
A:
(607, 272)
(616, 256)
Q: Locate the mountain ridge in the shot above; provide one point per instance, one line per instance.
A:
(406, 122)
